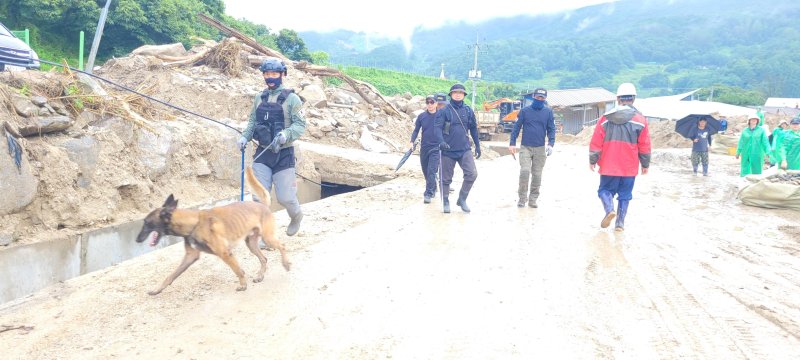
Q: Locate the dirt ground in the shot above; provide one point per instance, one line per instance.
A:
(378, 274)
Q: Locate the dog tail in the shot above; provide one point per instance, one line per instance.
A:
(258, 189)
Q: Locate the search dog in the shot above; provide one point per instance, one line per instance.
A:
(216, 231)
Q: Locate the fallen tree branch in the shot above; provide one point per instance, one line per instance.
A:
(4, 328)
(244, 38)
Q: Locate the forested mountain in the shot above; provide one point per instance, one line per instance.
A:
(665, 46)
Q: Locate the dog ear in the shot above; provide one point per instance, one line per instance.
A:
(170, 203)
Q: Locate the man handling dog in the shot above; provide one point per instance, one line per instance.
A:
(275, 123)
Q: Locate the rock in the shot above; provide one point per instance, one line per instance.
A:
(416, 113)
(39, 100)
(155, 151)
(18, 185)
(313, 113)
(202, 168)
(84, 152)
(340, 97)
(304, 83)
(315, 132)
(407, 95)
(175, 49)
(381, 121)
(181, 79)
(372, 126)
(24, 106)
(325, 125)
(6, 239)
(44, 125)
(226, 164)
(59, 108)
(413, 107)
(320, 104)
(370, 144)
(313, 94)
(90, 85)
(344, 122)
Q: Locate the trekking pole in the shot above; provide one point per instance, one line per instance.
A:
(441, 179)
(241, 197)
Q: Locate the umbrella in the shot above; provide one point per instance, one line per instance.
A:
(688, 125)
(405, 157)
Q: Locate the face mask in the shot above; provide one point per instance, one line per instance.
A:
(273, 83)
(538, 104)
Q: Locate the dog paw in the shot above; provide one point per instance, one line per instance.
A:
(241, 288)
(154, 292)
(258, 279)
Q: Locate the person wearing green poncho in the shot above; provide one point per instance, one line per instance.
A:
(790, 148)
(753, 147)
(775, 156)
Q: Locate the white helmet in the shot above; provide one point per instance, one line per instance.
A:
(626, 89)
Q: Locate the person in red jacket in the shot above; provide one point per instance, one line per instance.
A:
(620, 145)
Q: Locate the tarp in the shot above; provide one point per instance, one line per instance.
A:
(773, 195)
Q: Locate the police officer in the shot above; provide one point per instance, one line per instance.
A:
(429, 149)
(453, 127)
(275, 123)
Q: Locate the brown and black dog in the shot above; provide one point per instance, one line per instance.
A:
(216, 231)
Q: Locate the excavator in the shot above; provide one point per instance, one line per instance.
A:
(508, 111)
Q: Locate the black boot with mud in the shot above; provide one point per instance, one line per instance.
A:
(446, 205)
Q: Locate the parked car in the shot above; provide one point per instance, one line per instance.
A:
(15, 53)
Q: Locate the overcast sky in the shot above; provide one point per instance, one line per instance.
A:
(400, 19)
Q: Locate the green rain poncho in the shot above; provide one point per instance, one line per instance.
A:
(753, 147)
(775, 155)
(790, 149)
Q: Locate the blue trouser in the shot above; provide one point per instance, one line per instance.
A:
(429, 160)
(285, 186)
(622, 186)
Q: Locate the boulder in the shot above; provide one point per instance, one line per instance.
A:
(84, 152)
(24, 106)
(176, 50)
(370, 144)
(6, 239)
(155, 151)
(313, 94)
(44, 125)
(18, 185)
(39, 100)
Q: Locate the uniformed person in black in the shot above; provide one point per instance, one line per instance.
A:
(454, 125)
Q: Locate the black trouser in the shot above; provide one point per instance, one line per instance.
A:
(467, 164)
(429, 160)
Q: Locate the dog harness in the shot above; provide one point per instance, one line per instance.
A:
(271, 119)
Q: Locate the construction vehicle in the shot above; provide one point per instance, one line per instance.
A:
(488, 124)
(506, 107)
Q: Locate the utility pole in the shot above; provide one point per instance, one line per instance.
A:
(475, 74)
(97, 35)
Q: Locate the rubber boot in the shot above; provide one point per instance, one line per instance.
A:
(622, 210)
(462, 202)
(608, 205)
(446, 205)
(294, 225)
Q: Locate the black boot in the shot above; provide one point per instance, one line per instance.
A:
(462, 201)
(622, 210)
(608, 205)
(446, 205)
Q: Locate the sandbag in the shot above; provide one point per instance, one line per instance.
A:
(772, 194)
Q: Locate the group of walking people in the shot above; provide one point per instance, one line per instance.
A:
(620, 146)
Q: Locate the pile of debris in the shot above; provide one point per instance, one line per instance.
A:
(791, 178)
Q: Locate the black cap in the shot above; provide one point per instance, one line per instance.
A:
(458, 87)
(430, 97)
(540, 92)
(441, 98)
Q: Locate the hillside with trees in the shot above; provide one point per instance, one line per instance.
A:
(664, 46)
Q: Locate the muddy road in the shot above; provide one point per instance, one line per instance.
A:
(377, 274)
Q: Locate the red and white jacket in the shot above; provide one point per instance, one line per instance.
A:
(621, 141)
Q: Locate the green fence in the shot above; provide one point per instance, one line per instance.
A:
(25, 35)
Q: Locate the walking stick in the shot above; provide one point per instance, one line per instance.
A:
(441, 179)
(241, 197)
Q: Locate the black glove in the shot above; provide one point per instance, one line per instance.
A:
(477, 153)
(444, 146)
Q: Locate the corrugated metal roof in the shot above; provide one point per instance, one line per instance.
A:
(782, 102)
(573, 97)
